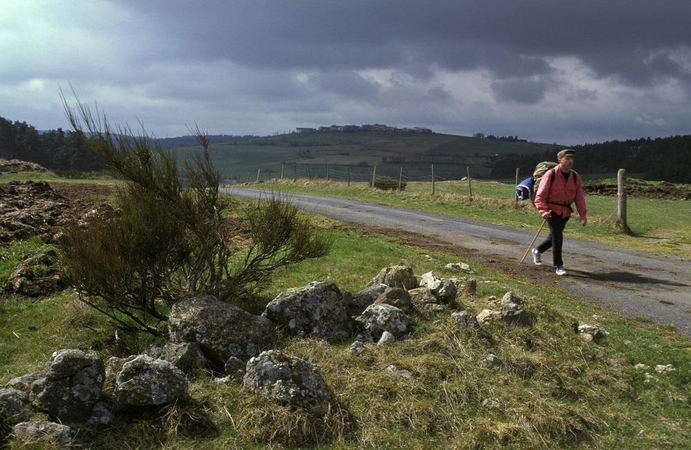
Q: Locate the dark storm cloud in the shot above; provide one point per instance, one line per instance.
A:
(541, 69)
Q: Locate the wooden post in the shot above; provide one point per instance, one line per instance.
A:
(374, 175)
(515, 200)
(432, 179)
(259, 171)
(621, 201)
(470, 185)
(348, 172)
(295, 172)
(400, 179)
(282, 167)
(309, 175)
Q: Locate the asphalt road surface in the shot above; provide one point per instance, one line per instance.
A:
(632, 283)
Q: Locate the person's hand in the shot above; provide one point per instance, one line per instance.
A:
(584, 220)
(547, 215)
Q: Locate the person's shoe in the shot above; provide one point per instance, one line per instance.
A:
(537, 257)
(560, 270)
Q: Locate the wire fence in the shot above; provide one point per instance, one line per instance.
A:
(354, 173)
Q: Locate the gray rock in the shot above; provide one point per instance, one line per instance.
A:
(444, 290)
(43, 432)
(357, 348)
(396, 276)
(287, 380)
(517, 317)
(71, 385)
(511, 300)
(398, 297)
(386, 338)
(186, 356)
(24, 382)
(145, 381)
(235, 368)
(379, 318)
(14, 406)
(316, 310)
(364, 298)
(220, 329)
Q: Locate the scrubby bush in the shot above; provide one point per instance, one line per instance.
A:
(388, 184)
(171, 238)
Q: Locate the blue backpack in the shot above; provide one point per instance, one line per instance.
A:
(526, 189)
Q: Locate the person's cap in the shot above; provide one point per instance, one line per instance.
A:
(565, 152)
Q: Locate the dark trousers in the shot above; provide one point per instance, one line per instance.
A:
(555, 240)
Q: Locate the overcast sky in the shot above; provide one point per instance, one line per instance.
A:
(570, 72)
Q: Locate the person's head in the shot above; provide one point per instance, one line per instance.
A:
(565, 158)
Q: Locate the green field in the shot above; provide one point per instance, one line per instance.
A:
(244, 159)
(578, 394)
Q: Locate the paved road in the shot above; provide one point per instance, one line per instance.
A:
(629, 282)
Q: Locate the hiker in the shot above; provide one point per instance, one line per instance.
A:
(558, 189)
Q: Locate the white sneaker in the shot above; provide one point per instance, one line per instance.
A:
(560, 270)
(537, 257)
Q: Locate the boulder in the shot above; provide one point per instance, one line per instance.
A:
(42, 432)
(398, 297)
(221, 330)
(381, 317)
(316, 310)
(364, 298)
(71, 385)
(186, 356)
(14, 406)
(287, 379)
(145, 381)
(444, 290)
(396, 276)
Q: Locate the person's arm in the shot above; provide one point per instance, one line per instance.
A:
(580, 202)
(542, 195)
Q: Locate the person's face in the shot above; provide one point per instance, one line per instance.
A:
(566, 162)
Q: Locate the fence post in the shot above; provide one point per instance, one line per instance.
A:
(621, 201)
(282, 167)
(432, 179)
(327, 171)
(515, 200)
(400, 179)
(348, 172)
(258, 172)
(470, 185)
(374, 175)
(295, 172)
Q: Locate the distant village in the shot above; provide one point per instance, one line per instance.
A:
(351, 128)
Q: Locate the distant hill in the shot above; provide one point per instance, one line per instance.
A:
(357, 150)
(411, 151)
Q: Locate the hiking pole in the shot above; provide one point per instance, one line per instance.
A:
(533, 241)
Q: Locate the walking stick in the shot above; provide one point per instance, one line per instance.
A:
(533, 241)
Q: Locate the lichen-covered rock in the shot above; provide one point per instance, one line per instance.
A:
(145, 381)
(443, 289)
(14, 406)
(221, 330)
(364, 298)
(42, 432)
(287, 380)
(186, 356)
(398, 297)
(396, 276)
(381, 317)
(316, 310)
(71, 385)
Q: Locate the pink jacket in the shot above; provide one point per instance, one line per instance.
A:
(556, 193)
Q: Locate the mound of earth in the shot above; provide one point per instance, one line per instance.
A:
(15, 165)
(35, 208)
(640, 188)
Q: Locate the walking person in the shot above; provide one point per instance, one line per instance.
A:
(558, 189)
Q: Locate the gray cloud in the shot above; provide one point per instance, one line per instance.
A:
(544, 70)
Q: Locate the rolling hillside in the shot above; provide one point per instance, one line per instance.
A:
(311, 154)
